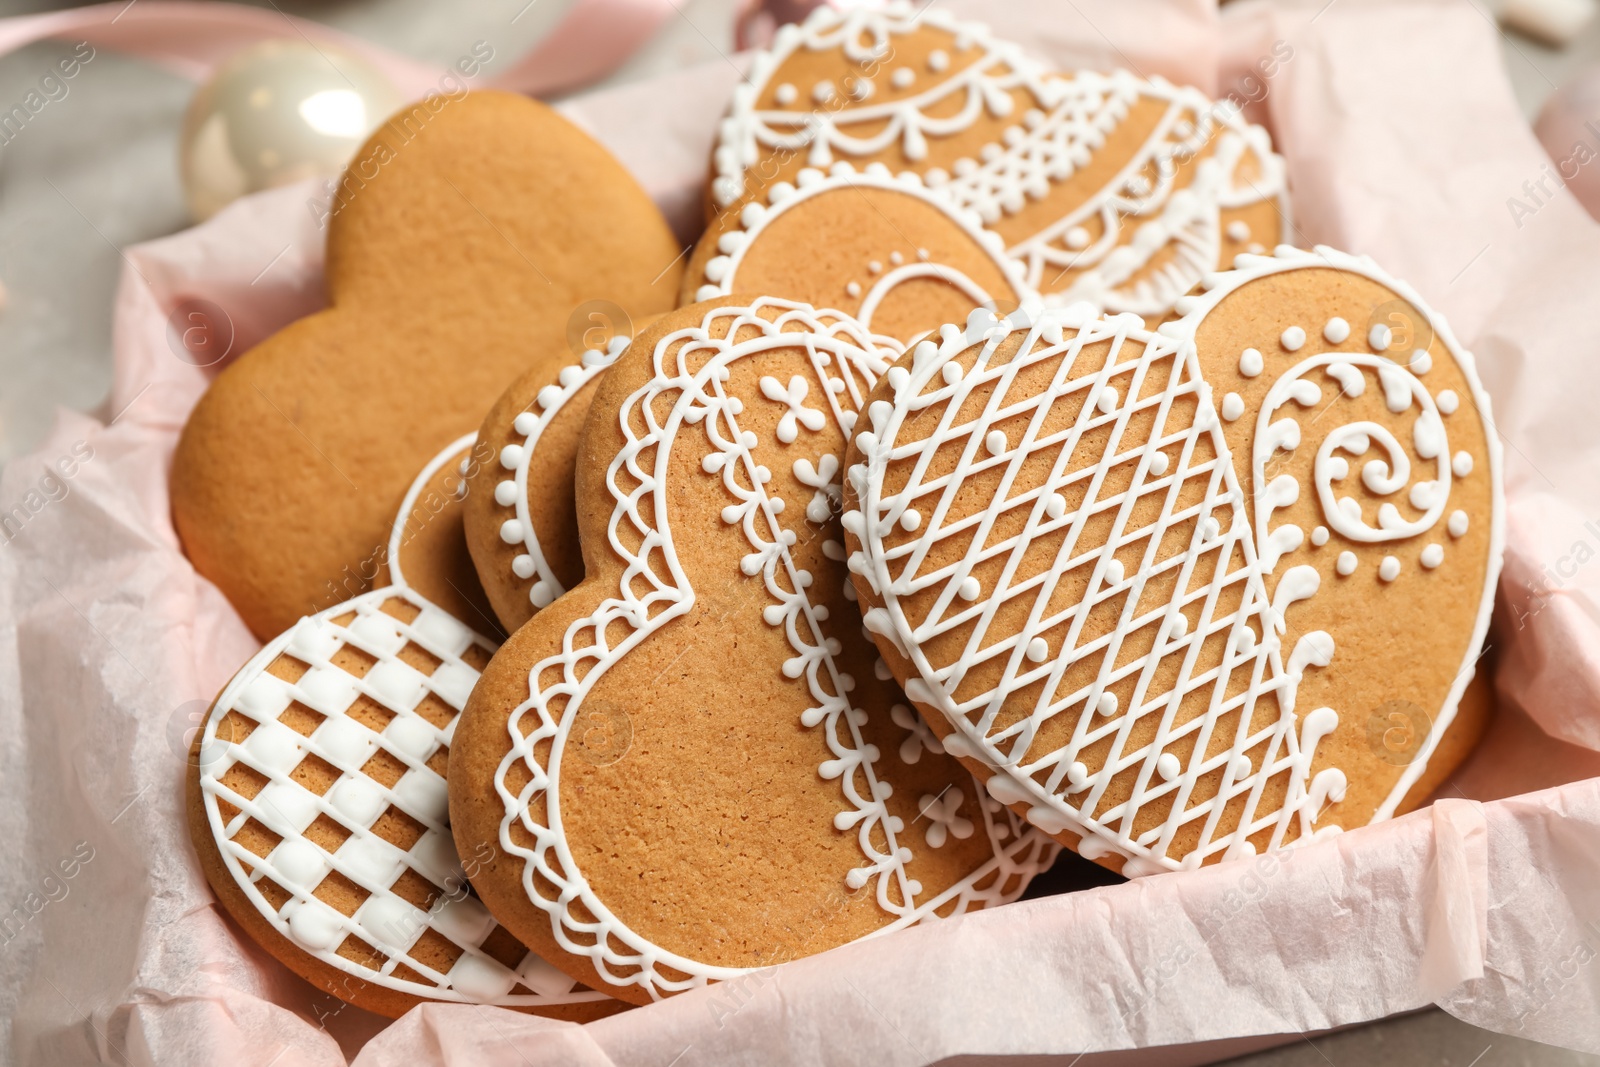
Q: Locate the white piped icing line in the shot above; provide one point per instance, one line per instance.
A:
(387, 630)
(722, 270)
(690, 368)
(1048, 128)
(1186, 220)
(1398, 376)
(1057, 786)
(858, 127)
(518, 458)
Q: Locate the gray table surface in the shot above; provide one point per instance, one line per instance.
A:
(74, 192)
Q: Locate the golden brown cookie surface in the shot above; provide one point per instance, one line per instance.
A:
(1108, 187)
(317, 797)
(886, 250)
(463, 239)
(521, 520)
(1169, 588)
(692, 764)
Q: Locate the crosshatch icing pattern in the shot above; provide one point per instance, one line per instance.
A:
(1053, 527)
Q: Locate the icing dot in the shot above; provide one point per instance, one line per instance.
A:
(1462, 464)
(1238, 230)
(1077, 238)
(1448, 401)
(995, 442)
(511, 531)
(1077, 774)
(1432, 556)
(938, 60)
(1168, 766)
(1107, 704)
(785, 94)
(1232, 406)
(854, 289)
(1336, 331)
(951, 373)
(1319, 536)
(1421, 362)
(902, 78)
(874, 267)
(860, 88)
(541, 594)
(522, 566)
(822, 92)
(1055, 505)
(1458, 523)
(1256, 248)
(896, 258)
(1346, 565)
(505, 494)
(1107, 400)
(1293, 338)
(910, 519)
(969, 588)
(1250, 362)
(1389, 569)
(1378, 337)
(1158, 463)
(1038, 650)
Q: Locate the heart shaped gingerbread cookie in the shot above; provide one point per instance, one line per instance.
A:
(693, 763)
(465, 234)
(1156, 585)
(883, 248)
(1109, 187)
(317, 794)
(521, 521)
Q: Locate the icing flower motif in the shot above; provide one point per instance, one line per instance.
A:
(944, 817)
(824, 478)
(794, 396)
(919, 738)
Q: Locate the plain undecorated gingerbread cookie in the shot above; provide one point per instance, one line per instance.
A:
(468, 231)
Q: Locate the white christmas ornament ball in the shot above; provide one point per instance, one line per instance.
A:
(275, 113)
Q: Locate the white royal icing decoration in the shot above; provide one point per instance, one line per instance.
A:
(374, 627)
(1049, 127)
(518, 458)
(722, 270)
(1341, 453)
(1039, 658)
(685, 399)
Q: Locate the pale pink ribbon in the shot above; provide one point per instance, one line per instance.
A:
(192, 39)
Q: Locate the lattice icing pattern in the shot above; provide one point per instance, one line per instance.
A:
(322, 775)
(686, 404)
(1051, 520)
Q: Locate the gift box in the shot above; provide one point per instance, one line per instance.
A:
(1403, 143)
